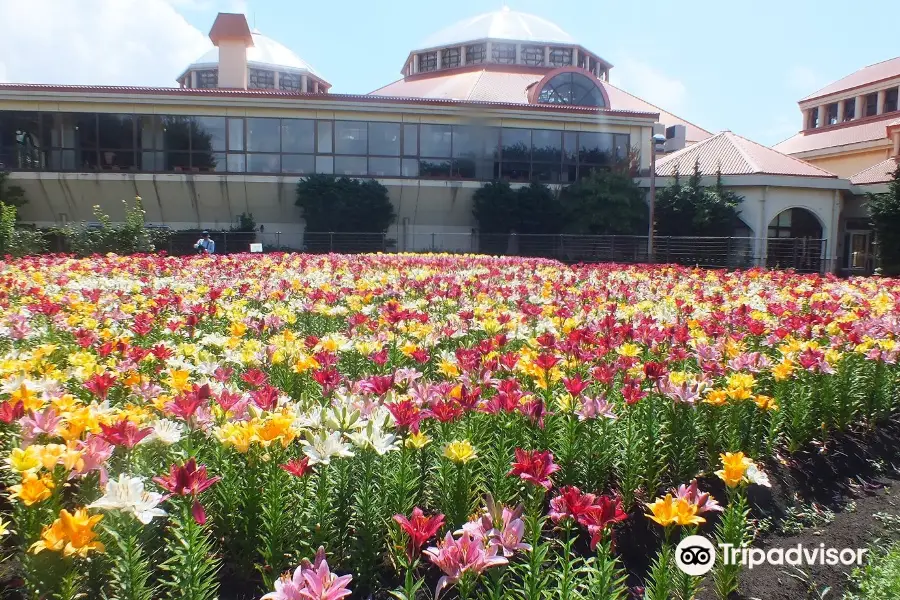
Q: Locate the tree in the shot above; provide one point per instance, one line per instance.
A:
(534, 208)
(342, 204)
(884, 210)
(605, 203)
(690, 209)
(11, 195)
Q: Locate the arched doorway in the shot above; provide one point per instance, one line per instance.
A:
(795, 240)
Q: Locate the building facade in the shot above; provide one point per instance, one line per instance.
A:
(504, 95)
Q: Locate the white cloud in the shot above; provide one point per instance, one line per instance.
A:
(642, 80)
(100, 42)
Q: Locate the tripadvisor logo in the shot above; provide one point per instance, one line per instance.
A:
(696, 555)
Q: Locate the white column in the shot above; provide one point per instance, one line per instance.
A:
(574, 57)
(547, 55)
(438, 54)
(462, 55)
(193, 79)
(840, 113)
(860, 107)
(415, 63)
(315, 86)
(304, 83)
(881, 96)
(489, 52)
(823, 115)
(518, 54)
(277, 80)
(762, 233)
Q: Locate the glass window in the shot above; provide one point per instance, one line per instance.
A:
(303, 164)
(449, 58)
(515, 171)
(261, 79)
(546, 145)
(116, 132)
(205, 161)
(570, 147)
(324, 137)
(384, 139)
(427, 61)
(410, 167)
(350, 165)
(20, 141)
(435, 140)
(150, 133)
(547, 172)
(504, 53)
(237, 163)
(289, 82)
(813, 118)
(872, 104)
(208, 134)
(571, 88)
(622, 142)
(849, 109)
(832, 113)
(595, 148)
(890, 100)
(208, 78)
(298, 135)
(560, 57)
(384, 167)
(476, 54)
(236, 134)
(263, 163)
(350, 137)
(516, 144)
(434, 167)
(410, 140)
(325, 165)
(533, 55)
(263, 135)
(474, 151)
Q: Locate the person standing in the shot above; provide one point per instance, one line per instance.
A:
(205, 245)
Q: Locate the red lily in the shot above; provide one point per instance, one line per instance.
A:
(11, 411)
(571, 503)
(124, 433)
(188, 480)
(406, 414)
(100, 384)
(599, 517)
(419, 528)
(534, 466)
(298, 467)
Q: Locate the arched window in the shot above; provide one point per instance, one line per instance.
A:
(571, 88)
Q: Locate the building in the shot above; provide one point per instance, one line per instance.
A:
(501, 95)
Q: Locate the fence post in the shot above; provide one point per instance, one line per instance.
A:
(224, 242)
(278, 240)
(796, 260)
(432, 241)
(384, 242)
(668, 248)
(331, 241)
(728, 252)
(612, 248)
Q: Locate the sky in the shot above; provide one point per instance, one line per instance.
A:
(738, 65)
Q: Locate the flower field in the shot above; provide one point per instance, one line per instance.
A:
(316, 427)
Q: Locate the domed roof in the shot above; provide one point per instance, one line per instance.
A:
(265, 53)
(504, 24)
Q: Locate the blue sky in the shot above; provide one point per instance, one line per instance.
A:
(723, 65)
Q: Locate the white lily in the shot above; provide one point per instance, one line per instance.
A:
(127, 494)
(321, 448)
(166, 431)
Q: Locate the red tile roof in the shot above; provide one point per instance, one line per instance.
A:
(880, 173)
(510, 85)
(877, 72)
(83, 90)
(735, 155)
(853, 132)
(230, 26)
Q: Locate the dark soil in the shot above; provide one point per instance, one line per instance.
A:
(854, 477)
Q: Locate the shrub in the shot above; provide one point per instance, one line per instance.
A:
(17, 241)
(11, 195)
(532, 209)
(605, 203)
(694, 210)
(129, 238)
(342, 204)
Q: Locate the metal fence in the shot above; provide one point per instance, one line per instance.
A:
(802, 254)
